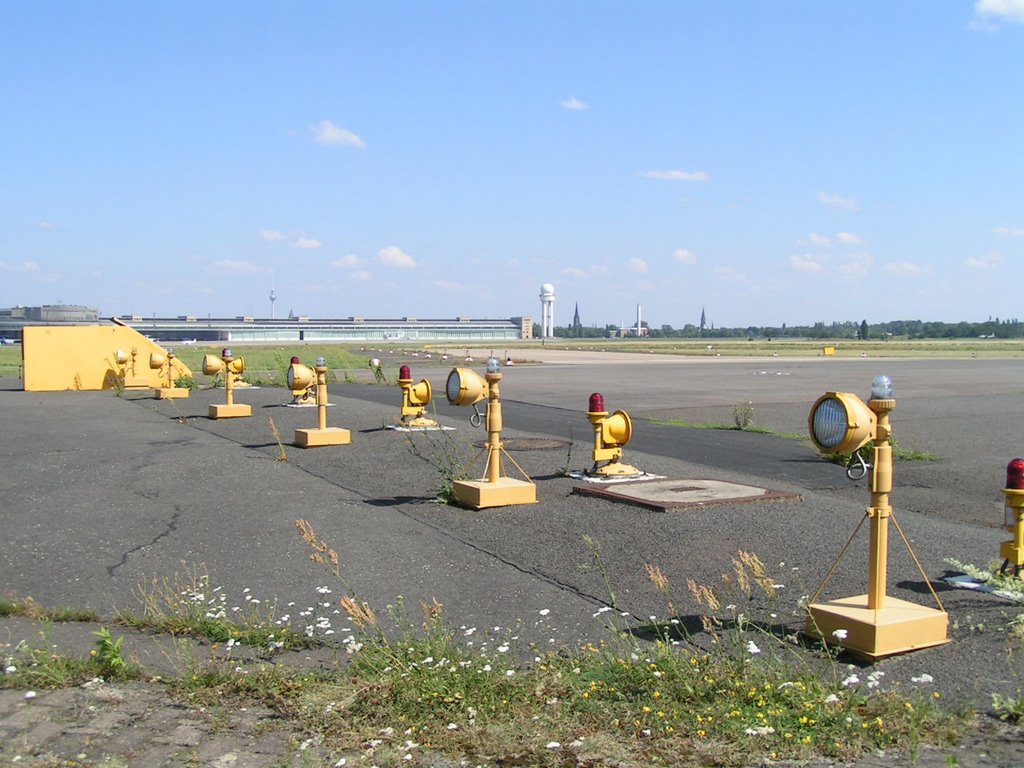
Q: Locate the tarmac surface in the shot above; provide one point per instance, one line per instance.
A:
(101, 493)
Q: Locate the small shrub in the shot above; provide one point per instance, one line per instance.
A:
(743, 415)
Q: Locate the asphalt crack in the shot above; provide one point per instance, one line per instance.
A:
(170, 527)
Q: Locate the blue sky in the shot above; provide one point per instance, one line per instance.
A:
(771, 162)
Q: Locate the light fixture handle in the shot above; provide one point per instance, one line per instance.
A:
(856, 467)
(477, 418)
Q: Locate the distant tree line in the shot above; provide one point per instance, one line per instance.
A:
(993, 328)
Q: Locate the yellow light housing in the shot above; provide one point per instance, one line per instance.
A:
(300, 378)
(157, 361)
(212, 365)
(616, 430)
(840, 422)
(465, 387)
(419, 394)
(120, 356)
(237, 365)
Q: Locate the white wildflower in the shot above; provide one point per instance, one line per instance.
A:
(851, 680)
(544, 611)
(752, 647)
(553, 745)
(840, 634)
(925, 678)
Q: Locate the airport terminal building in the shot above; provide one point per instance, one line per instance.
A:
(251, 329)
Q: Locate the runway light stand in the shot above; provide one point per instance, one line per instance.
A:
(322, 435)
(872, 625)
(231, 367)
(465, 387)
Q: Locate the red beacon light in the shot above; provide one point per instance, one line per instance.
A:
(597, 403)
(295, 360)
(1015, 475)
(1012, 550)
(404, 373)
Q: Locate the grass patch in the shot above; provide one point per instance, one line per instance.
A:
(188, 604)
(27, 607)
(42, 666)
(727, 426)
(738, 693)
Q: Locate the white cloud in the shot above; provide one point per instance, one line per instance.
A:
(24, 268)
(848, 238)
(902, 268)
(394, 256)
(574, 272)
(675, 175)
(684, 256)
(574, 103)
(328, 134)
(815, 239)
(360, 274)
(637, 265)
(344, 262)
(1009, 231)
(291, 240)
(991, 261)
(237, 267)
(1000, 10)
(838, 201)
(806, 263)
(857, 264)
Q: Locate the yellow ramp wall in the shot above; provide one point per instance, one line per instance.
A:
(82, 357)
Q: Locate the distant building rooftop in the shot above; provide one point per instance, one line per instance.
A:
(301, 328)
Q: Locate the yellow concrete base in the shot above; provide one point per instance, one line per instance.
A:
(317, 438)
(136, 382)
(233, 411)
(167, 393)
(615, 469)
(898, 627)
(504, 492)
(420, 422)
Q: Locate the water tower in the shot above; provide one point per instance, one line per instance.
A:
(547, 311)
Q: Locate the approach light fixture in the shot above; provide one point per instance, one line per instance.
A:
(302, 383)
(415, 399)
(466, 387)
(1012, 550)
(165, 365)
(322, 435)
(871, 625)
(611, 432)
(231, 367)
(129, 374)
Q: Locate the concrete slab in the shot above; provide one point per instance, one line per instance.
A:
(668, 495)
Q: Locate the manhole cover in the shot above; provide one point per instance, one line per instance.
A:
(529, 444)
